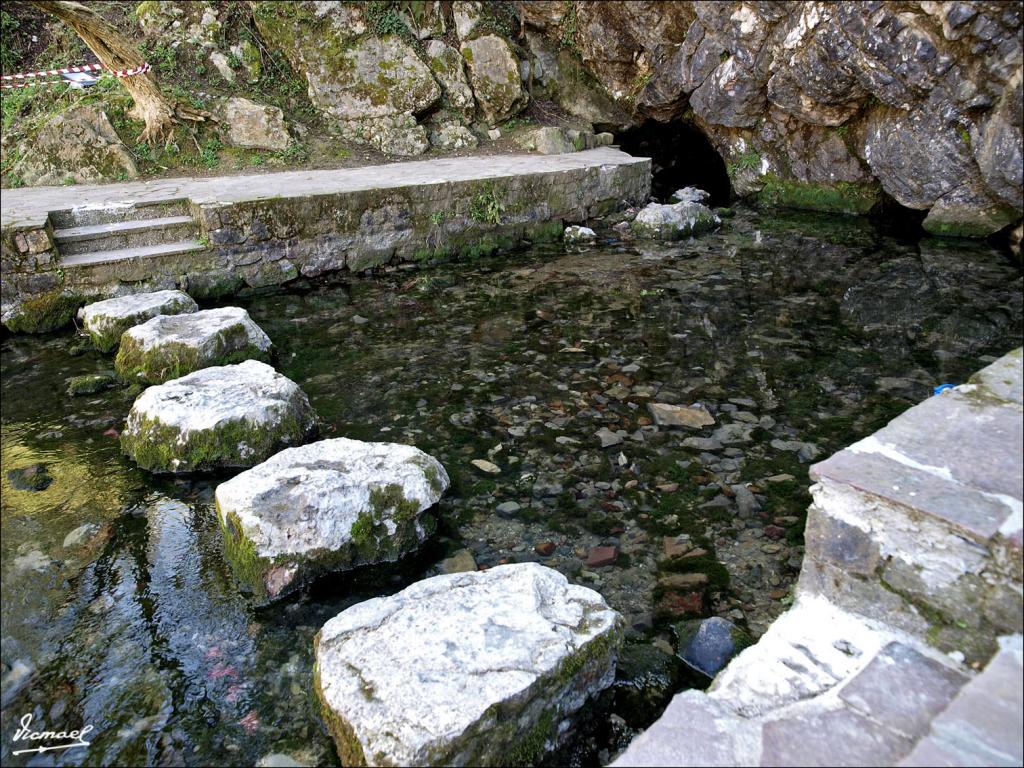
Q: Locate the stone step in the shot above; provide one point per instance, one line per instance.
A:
(122, 234)
(821, 687)
(983, 723)
(133, 252)
(114, 211)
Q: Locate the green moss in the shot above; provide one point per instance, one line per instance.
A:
(549, 231)
(45, 312)
(171, 360)
(840, 197)
(349, 749)
(531, 745)
(362, 530)
(240, 552)
(89, 385)
(390, 499)
(158, 447)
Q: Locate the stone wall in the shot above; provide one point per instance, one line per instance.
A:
(255, 240)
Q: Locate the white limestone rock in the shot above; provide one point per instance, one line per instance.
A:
(480, 668)
(227, 416)
(105, 321)
(690, 195)
(673, 222)
(575, 234)
(169, 346)
(332, 505)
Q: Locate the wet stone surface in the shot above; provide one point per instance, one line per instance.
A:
(797, 335)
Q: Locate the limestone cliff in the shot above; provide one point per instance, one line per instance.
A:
(818, 104)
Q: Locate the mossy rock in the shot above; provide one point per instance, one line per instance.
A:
(44, 312)
(170, 346)
(329, 506)
(226, 416)
(467, 630)
(840, 197)
(90, 384)
(106, 320)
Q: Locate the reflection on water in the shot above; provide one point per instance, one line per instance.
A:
(800, 334)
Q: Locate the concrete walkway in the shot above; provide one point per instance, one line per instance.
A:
(30, 205)
(911, 583)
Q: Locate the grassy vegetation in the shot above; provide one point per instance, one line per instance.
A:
(262, 74)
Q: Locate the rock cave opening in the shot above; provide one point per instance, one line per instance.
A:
(681, 156)
(896, 220)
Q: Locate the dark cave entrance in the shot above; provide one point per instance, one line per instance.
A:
(681, 156)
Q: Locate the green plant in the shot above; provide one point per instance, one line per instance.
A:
(8, 55)
(745, 162)
(234, 60)
(68, 181)
(437, 218)
(485, 207)
(386, 19)
(210, 154)
(293, 154)
(570, 30)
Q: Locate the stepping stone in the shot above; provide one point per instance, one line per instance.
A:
(107, 320)
(478, 668)
(169, 346)
(328, 506)
(227, 416)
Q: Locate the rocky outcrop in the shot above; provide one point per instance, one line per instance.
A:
(254, 126)
(106, 320)
(822, 105)
(228, 416)
(170, 346)
(328, 506)
(371, 87)
(450, 70)
(491, 666)
(78, 146)
(494, 74)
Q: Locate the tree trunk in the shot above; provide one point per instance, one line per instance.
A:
(117, 52)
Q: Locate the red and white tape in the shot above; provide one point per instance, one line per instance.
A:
(143, 68)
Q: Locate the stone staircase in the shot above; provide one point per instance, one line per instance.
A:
(911, 583)
(100, 234)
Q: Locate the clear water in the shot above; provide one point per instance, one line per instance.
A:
(818, 329)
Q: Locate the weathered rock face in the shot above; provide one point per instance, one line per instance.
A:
(371, 86)
(449, 69)
(672, 222)
(254, 126)
(494, 73)
(228, 416)
(170, 346)
(328, 506)
(106, 320)
(821, 105)
(79, 144)
(490, 664)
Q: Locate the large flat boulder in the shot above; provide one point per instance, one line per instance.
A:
(332, 505)
(227, 416)
(480, 668)
(105, 321)
(170, 346)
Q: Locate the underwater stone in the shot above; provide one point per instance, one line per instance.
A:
(169, 346)
(708, 645)
(332, 505)
(226, 416)
(480, 668)
(106, 320)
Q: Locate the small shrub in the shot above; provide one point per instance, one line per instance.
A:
(485, 207)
